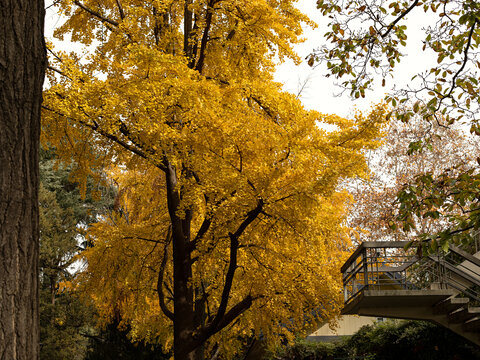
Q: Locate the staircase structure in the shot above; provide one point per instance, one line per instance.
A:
(382, 279)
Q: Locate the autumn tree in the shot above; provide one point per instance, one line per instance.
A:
(228, 221)
(366, 38)
(22, 69)
(393, 165)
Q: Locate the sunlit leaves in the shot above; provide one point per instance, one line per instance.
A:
(149, 102)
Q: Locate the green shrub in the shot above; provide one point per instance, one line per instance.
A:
(412, 340)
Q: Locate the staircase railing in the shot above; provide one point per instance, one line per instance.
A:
(387, 266)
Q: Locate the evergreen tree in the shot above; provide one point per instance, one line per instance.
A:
(64, 319)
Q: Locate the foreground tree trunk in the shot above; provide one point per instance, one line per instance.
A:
(22, 68)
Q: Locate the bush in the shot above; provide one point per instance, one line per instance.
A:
(412, 340)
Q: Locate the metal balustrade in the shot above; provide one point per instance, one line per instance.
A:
(387, 266)
(384, 279)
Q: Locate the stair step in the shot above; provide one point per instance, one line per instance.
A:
(449, 305)
(472, 325)
(463, 315)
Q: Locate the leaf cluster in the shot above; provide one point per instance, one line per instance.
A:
(395, 167)
(367, 38)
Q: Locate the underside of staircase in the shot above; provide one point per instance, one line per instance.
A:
(382, 279)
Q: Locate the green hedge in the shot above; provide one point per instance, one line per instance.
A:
(405, 340)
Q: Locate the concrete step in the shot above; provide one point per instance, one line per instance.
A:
(464, 314)
(450, 305)
(472, 325)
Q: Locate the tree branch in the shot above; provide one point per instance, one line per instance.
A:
(95, 127)
(120, 10)
(58, 71)
(221, 316)
(465, 59)
(235, 312)
(203, 46)
(402, 15)
(161, 296)
(202, 231)
(231, 315)
(96, 14)
(187, 29)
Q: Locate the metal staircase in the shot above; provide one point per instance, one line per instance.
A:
(382, 279)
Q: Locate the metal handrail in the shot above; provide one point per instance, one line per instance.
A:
(372, 244)
(386, 265)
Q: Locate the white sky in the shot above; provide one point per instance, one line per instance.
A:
(320, 91)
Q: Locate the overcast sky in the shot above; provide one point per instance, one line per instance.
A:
(320, 91)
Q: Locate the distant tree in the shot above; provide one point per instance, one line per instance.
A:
(22, 70)
(58, 243)
(393, 166)
(64, 216)
(366, 38)
(62, 316)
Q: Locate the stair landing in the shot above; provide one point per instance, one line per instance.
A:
(405, 304)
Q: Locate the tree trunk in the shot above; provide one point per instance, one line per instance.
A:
(183, 315)
(22, 69)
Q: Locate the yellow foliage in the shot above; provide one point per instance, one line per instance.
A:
(195, 132)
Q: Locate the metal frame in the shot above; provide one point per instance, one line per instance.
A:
(387, 266)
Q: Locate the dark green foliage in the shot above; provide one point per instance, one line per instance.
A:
(61, 315)
(67, 324)
(62, 326)
(56, 177)
(58, 243)
(63, 214)
(307, 350)
(113, 343)
(412, 340)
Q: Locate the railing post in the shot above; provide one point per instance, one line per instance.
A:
(441, 269)
(365, 267)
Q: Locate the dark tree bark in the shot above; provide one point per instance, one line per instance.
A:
(22, 68)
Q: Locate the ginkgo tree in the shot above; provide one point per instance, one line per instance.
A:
(228, 219)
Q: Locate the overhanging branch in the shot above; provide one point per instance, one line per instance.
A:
(95, 127)
(402, 15)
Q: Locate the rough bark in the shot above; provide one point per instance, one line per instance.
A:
(22, 68)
